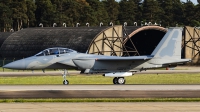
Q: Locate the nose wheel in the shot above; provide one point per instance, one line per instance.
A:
(65, 82)
(119, 80)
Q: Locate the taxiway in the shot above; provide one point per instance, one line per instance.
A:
(99, 91)
(102, 107)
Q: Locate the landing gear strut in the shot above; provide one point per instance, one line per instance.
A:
(65, 82)
(119, 80)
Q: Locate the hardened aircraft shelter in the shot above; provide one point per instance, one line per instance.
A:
(112, 40)
(115, 40)
(127, 41)
(191, 44)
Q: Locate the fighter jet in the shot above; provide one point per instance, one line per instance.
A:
(166, 54)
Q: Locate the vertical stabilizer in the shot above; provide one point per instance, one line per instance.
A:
(170, 45)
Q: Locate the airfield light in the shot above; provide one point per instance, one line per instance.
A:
(77, 24)
(54, 24)
(149, 23)
(145, 23)
(111, 23)
(135, 23)
(64, 24)
(88, 24)
(125, 23)
(101, 24)
(41, 24)
(11, 30)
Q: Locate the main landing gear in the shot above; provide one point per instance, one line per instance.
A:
(65, 82)
(119, 80)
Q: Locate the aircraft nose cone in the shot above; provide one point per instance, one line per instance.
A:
(15, 65)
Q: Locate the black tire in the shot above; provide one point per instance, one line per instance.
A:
(121, 80)
(115, 80)
(65, 82)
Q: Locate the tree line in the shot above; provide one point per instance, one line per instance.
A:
(18, 14)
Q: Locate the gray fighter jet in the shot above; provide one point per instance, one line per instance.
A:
(166, 54)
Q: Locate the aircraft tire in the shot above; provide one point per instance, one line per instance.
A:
(115, 80)
(65, 82)
(121, 80)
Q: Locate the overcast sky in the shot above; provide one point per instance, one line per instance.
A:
(194, 1)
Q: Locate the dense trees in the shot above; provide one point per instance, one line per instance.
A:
(196, 22)
(5, 15)
(151, 10)
(128, 11)
(18, 14)
(166, 14)
(31, 7)
(99, 12)
(112, 8)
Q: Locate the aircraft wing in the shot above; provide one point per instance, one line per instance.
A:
(114, 58)
(100, 62)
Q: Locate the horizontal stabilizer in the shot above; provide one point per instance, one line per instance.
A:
(181, 61)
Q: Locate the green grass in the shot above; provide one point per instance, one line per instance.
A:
(12, 70)
(98, 79)
(6, 70)
(103, 100)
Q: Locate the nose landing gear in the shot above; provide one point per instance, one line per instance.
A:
(65, 82)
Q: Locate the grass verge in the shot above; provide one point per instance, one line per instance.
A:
(98, 79)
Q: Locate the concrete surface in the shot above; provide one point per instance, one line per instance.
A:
(99, 91)
(102, 107)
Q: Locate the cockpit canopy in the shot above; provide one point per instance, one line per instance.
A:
(54, 51)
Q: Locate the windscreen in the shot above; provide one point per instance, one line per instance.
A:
(65, 50)
(54, 51)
